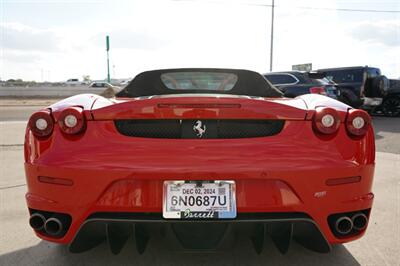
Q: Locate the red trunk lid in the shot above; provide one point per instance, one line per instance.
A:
(200, 106)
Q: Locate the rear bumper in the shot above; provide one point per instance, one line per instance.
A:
(260, 196)
(371, 102)
(117, 228)
(286, 173)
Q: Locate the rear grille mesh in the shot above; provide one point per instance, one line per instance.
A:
(185, 129)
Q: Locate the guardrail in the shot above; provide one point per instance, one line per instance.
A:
(47, 91)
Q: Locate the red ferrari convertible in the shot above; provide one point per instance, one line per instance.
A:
(198, 158)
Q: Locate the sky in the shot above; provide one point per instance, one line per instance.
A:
(51, 40)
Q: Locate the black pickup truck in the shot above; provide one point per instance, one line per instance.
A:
(360, 86)
(391, 102)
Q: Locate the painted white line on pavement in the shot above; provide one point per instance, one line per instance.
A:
(12, 122)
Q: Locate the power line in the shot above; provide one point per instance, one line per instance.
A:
(349, 9)
(301, 7)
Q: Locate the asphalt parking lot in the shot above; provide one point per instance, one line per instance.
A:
(19, 246)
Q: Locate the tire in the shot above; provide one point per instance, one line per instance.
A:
(348, 97)
(380, 86)
(391, 106)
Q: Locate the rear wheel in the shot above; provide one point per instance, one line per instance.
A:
(380, 85)
(391, 106)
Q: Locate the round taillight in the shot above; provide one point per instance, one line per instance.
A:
(72, 120)
(41, 124)
(326, 120)
(357, 122)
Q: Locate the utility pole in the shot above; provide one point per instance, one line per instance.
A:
(272, 36)
(108, 58)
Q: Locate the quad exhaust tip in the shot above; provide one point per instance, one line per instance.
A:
(37, 221)
(343, 225)
(349, 223)
(360, 221)
(50, 223)
(53, 226)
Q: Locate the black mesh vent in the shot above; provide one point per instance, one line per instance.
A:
(163, 129)
(185, 129)
(235, 129)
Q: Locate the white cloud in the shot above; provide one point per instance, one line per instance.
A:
(17, 36)
(386, 32)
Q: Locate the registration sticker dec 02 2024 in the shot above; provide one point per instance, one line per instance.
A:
(199, 199)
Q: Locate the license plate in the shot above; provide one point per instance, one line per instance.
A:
(199, 200)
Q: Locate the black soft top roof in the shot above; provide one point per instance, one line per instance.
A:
(249, 83)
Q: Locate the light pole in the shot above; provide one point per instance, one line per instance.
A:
(272, 36)
(108, 58)
(272, 25)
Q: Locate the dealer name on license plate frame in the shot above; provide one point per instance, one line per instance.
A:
(199, 199)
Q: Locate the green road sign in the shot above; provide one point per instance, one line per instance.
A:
(107, 43)
(108, 58)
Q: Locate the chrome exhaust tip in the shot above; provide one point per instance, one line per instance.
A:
(360, 221)
(53, 226)
(37, 221)
(343, 225)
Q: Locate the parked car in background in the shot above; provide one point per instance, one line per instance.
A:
(74, 82)
(101, 84)
(391, 102)
(124, 82)
(360, 86)
(109, 89)
(295, 83)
